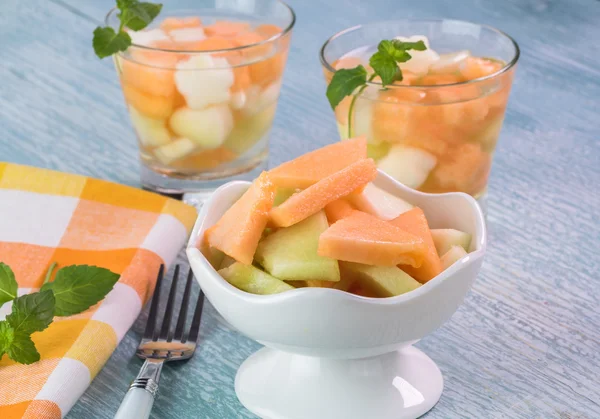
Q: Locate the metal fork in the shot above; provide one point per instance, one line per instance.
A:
(161, 345)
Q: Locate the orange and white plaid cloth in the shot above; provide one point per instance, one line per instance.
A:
(48, 216)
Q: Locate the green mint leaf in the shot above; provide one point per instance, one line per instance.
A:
(7, 335)
(108, 42)
(137, 16)
(344, 83)
(385, 67)
(123, 4)
(8, 284)
(32, 312)
(388, 48)
(405, 46)
(22, 349)
(76, 288)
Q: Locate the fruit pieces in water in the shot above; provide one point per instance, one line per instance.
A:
(174, 150)
(316, 197)
(251, 279)
(377, 202)
(452, 62)
(208, 128)
(408, 165)
(464, 168)
(308, 169)
(415, 222)
(363, 238)
(239, 230)
(445, 238)
(157, 107)
(204, 80)
(290, 253)
(151, 132)
(382, 281)
(171, 23)
(452, 256)
(337, 210)
(421, 60)
(226, 28)
(250, 129)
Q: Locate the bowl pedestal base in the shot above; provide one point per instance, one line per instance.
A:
(398, 385)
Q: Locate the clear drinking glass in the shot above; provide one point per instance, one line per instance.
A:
(436, 130)
(201, 87)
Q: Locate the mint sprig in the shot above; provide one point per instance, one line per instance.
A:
(75, 289)
(385, 66)
(134, 15)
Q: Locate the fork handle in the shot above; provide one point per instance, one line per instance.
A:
(139, 399)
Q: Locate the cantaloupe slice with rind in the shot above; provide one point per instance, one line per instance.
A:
(291, 253)
(377, 202)
(383, 281)
(313, 199)
(310, 168)
(415, 222)
(251, 279)
(364, 238)
(445, 238)
(452, 256)
(239, 230)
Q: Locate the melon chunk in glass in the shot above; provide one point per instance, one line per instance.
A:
(377, 202)
(151, 132)
(445, 238)
(421, 60)
(174, 150)
(238, 231)
(415, 222)
(364, 238)
(408, 165)
(290, 253)
(308, 169)
(208, 127)
(383, 281)
(452, 256)
(204, 80)
(251, 279)
(313, 199)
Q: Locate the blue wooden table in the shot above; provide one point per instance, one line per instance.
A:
(526, 342)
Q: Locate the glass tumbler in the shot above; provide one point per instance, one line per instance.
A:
(436, 129)
(201, 87)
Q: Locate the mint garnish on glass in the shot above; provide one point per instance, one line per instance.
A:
(385, 65)
(133, 15)
(74, 289)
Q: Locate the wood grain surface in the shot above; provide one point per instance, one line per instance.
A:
(526, 342)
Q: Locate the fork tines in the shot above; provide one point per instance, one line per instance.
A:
(165, 333)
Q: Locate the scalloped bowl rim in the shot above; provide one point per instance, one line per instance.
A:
(479, 237)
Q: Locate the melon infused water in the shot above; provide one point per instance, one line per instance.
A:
(436, 129)
(201, 88)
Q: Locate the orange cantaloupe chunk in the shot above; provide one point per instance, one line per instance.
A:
(150, 72)
(238, 231)
(173, 23)
(267, 65)
(308, 169)
(415, 222)
(157, 107)
(476, 68)
(337, 210)
(226, 28)
(364, 238)
(313, 199)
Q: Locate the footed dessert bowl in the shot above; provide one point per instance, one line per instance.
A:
(330, 354)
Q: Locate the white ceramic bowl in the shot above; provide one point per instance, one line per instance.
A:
(330, 354)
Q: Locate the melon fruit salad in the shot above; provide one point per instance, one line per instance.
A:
(435, 130)
(318, 221)
(194, 111)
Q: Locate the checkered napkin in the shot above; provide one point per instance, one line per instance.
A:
(46, 217)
